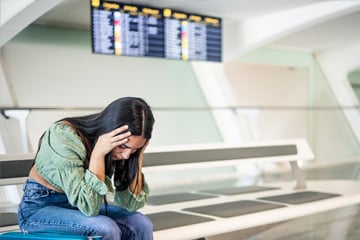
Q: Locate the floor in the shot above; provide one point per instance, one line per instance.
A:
(340, 224)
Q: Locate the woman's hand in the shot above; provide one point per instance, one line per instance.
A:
(105, 144)
(108, 141)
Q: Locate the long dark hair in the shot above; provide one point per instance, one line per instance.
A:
(131, 111)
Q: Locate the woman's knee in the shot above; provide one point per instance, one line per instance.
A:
(147, 223)
(106, 228)
(143, 226)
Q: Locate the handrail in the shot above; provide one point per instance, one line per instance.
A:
(196, 108)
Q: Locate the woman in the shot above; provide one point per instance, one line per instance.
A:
(76, 159)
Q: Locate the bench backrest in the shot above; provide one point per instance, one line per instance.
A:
(15, 167)
(228, 153)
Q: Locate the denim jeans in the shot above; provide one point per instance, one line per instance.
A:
(42, 209)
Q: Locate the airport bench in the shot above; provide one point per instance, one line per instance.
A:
(198, 214)
(203, 213)
(14, 169)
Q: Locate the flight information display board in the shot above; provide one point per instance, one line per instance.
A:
(132, 30)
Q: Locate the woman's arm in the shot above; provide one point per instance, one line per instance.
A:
(61, 162)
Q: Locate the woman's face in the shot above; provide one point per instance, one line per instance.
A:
(124, 151)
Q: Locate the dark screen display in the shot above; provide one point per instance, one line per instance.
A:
(132, 30)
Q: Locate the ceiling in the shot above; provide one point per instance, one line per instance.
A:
(335, 32)
(76, 13)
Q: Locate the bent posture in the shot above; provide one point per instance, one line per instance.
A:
(77, 157)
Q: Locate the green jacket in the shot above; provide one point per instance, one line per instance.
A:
(61, 161)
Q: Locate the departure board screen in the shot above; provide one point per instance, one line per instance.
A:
(131, 30)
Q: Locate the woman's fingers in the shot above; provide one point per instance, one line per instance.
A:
(120, 142)
(120, 138)
(119, 130)
(110, 140)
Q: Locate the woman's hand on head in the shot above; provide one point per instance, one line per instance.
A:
(108, 141)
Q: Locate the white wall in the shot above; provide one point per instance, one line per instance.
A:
(50, 67)
(279, 90)
(325, 125)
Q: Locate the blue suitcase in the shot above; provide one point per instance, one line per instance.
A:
(45, 236)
